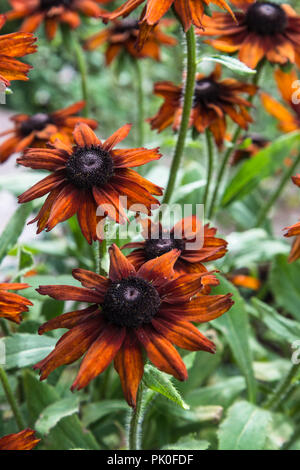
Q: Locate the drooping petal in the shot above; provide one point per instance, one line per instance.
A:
(70, 319)
(91, 280)
(129, 364)
(120, 266)
(99, 356)
(159, 270)
(79, 294)
(161, 353)
(117, 137)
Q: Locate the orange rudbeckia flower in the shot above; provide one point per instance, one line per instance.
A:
(159, 241)
(90, 174)
(133, 310)
(11, 46)
(289, 119)
(38, 129)
(213, 101)
(24, 440)
(188, 11)
(264, 30)
(122, 37)
(294, 230)
(53, 12)
(13, 305)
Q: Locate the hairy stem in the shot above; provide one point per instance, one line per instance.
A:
(136, 421)
(11, 400)
(282, 388)
(186, 111)
(82, 68)
(140, 104)
(270, 203)
(210, 164)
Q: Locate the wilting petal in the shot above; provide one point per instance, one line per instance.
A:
(117, 137)
(84, 136)
(79, 294)
(91, 280)
(70, 319)
(183, 334)
(127, 158)
(159, 270)
(120, 266)
(182, 289)
(71, 346)
(130, 366)
(161, 353)
(99, 355)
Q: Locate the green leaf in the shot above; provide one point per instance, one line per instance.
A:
(23, 349)
(17, 184)
(95, 411)
(13, 229)
(52, 414)
(284, 282)
(187, 444)
(161, 383)
(246, 427)
(68, 432)
(235, 327)
(264, 164)
(222, 393)
(230, 62)
(285, 328)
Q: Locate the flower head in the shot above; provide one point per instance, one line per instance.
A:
(159, 241)
(265, 30)
(214, 99)
(90, 174)
(53, 12)
(132, 310)
(122, 37)
(11, 46)
(13, 305)
(188, 11)
(38, 129)
(289, 119)
(24, 440)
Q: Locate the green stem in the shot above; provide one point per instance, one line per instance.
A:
(11, 400)
(4, 327)
(270, 203)
(187, 105)
(232, 149)
(140, 104)
(210, 164)
(273, 402)
(100, 256)
(82, 68)
(136, 421)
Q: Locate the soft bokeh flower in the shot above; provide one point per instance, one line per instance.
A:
(24, 440)
(13, 305)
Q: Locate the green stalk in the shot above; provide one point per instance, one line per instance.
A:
(210, 164)
(140, 104)
(102, 246)
(187, 106)
(136, 421)
(270, 203)
(282, 388)
(11, 400)
(82, 68)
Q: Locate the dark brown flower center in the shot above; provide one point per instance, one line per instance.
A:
(159, 247)
(126, 25)
(37, 122)
(131, 302)
(89, 166)
(47, 4)
(266, 18)
(206, 91)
